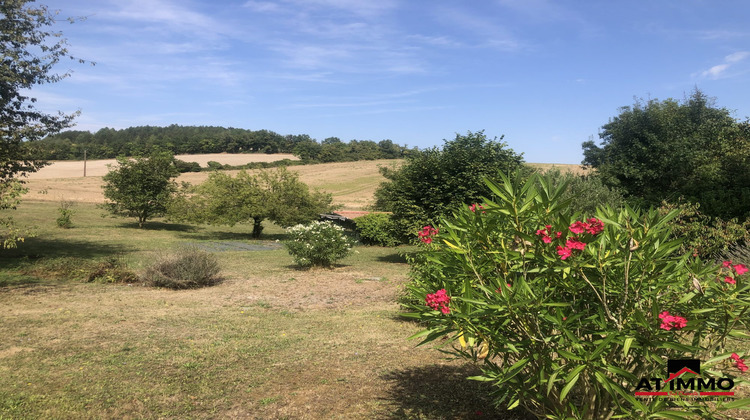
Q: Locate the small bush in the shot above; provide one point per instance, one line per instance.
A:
(318, 244)
(111, 270)
(66, 212)
(187, 268)
(377, 229)
(214, 165)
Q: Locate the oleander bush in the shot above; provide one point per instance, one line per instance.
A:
(568, 312)
(318, 244)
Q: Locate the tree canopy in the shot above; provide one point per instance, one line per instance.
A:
(656, 150)
(433, 182)
(277, 195)
(30, 50)
(140, 187)
(109, 143)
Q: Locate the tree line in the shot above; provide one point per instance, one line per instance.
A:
(109, 143)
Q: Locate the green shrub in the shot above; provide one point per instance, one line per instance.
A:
(318, 244)
(66, 212)
(585, 192)
(704, 236)
(378, 229)
(183, 166)
(569, 314)
(186, 268)
(214, 165)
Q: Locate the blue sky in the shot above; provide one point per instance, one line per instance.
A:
(546, 74)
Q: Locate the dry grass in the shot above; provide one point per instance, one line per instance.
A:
(270, 342)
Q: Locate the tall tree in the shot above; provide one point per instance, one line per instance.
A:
(669, 149)
(30, 50)
(141, 187)
(433, 182)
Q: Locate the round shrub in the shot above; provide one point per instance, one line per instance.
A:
(185, 268)
(377, 229)
(318, 244)
(569, 313)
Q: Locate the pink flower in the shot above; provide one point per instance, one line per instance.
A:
(426, 234)
(740, 363)
(671, 321)
(564, 252)
(574, 243)
(500, 289)
(578, 227)
(595, 226)
(546, 239)
(473, 207)
(726, 264)
(438, 301)
(740, 269)
(730, 280)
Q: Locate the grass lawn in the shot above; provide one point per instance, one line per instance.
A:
(271, 341)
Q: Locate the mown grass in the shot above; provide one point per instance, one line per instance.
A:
(271, 341)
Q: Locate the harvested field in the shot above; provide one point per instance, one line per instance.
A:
(74, 169)
(351, 183)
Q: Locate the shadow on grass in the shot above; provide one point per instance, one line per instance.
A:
(34, 248)
(152, 225)
(443, 392)
(232, 236)
(395, 258)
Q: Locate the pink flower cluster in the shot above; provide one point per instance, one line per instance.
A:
(594, 227)
(739, 269)
(439, 301)
(546, 234)
(671, 321)
(426, 234)
(740, 363)
(591, 226)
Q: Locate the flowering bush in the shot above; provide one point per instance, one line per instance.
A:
(568, 314)
(318, 244)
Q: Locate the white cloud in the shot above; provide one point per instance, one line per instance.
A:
(738, 56)
(721, 70)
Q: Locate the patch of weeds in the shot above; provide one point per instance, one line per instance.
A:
(269, 400)
(109, 270)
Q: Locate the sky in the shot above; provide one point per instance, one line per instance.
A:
(544, 74)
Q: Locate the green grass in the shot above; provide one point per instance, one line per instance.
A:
(271, 341)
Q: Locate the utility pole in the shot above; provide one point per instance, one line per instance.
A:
(84, 163)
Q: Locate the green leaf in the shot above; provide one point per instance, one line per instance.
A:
(743, 403)
(626, 346)
(571, 381)
(672, 415)
(702, 310)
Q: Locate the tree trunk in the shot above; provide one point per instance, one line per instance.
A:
(257, 227)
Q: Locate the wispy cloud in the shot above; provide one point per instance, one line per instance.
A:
(720, 71)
